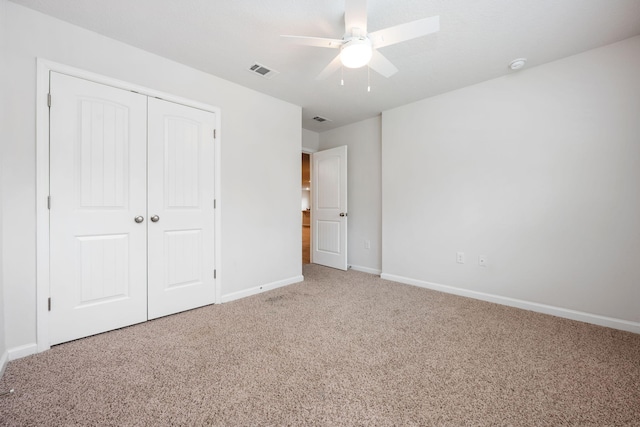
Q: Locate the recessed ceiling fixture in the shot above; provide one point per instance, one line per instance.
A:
(516, 64)
(262, 70)
(359, 48)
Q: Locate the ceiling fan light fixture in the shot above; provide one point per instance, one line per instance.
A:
(356, 53)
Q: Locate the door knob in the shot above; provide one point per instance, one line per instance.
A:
(138, 219)
(155, 218)
(343, 214)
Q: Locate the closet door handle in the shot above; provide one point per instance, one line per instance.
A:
(155, 218)
(139, 219)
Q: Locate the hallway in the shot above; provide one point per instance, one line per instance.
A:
(306, 245)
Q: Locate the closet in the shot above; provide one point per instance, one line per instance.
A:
(131, 214)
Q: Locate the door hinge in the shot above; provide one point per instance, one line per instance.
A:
(49, 202)
(49, 100)
(214, 203)
(214, 134)
(49, 304)
(215, 273)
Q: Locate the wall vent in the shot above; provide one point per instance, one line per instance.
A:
(321, 119)
(263, 71)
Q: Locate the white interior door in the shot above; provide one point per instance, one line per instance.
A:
(329, 208)
(181, 208)
(98, 278)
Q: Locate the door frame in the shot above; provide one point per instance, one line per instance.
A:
(43, 69)
(310, 152)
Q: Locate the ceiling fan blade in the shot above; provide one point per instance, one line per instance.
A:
(355, 16)
(330, 69)
(313, 41)
(403, 32)
(382, 65)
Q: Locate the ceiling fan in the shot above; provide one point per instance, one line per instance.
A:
(359, 48)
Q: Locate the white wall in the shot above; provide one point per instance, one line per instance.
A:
(3, 106)
(260, 198)
(364, 198)
(310, 141)
(306, 200)
(538, 171)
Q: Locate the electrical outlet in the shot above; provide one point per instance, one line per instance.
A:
(482, 261)
(367, 244)
(460, 257)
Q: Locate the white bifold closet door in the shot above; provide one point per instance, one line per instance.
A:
(131, 214)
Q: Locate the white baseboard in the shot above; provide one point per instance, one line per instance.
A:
(262, 288)
(596, 319)
(22, 351)
(366, 269)
(4, 359)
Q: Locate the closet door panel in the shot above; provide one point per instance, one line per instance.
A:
(98, 256)
(181, 212)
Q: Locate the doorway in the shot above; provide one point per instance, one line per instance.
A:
(117, 159)
(306, 208)
(111, 132)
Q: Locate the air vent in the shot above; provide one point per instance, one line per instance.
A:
(321, 119)
(263, 71)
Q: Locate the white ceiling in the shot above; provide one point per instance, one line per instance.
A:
(476, 42)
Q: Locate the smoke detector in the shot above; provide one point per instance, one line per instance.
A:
(516, 64)
(321, 119)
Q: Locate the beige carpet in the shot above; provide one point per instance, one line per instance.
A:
(341, 348)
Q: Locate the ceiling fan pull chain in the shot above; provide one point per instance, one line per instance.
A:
(342, 75)
(368, 78)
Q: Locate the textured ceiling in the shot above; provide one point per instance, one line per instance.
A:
(476, 42)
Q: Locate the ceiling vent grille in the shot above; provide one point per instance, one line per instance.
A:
(320, 119)
(263, 71)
